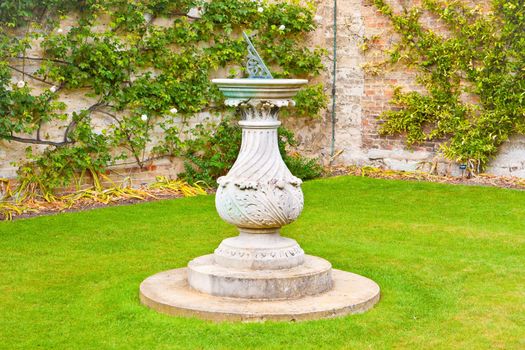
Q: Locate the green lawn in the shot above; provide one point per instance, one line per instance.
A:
(450, 261)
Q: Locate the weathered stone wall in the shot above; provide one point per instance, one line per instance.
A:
(361, 98)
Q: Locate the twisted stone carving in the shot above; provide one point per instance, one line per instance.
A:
(259, 191)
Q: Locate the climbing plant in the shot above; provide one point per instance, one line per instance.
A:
(145, 64)
(473, 72)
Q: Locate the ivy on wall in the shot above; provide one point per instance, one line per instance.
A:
(473, 73)
(143, 76)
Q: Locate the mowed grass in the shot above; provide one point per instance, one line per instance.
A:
(450, 261)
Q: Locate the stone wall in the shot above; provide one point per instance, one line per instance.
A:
(361, 98)
(13, 153)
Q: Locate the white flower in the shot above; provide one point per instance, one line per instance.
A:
(318, 18)
(260, 9)
(173, 110)
(195, 12)
(282, 27)
(60, 30)
(53, 89)
(148, 17)
(21, 84)
(144, 117)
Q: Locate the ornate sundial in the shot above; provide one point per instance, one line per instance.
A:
(259, 274)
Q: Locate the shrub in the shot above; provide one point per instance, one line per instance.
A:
(214, 150)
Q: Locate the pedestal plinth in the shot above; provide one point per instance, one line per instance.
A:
(259, 274)
(313, 276)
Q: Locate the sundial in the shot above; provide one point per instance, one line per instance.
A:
(259, 274)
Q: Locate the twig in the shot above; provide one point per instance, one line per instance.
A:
(74, 123)
(128, 137)
(180, 14)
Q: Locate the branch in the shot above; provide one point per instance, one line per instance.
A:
(42, 59)
(180, 14)
(30, 75)
(147, 160)
(39, 129)
(74, 122)
(128, 137)
(37, 141)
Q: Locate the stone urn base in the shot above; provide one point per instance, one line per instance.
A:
(169, 292)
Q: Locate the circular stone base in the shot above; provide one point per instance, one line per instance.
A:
(168, 292)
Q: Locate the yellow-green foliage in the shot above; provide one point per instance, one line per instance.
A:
(28, 197)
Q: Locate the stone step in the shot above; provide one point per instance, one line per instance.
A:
(313, 277)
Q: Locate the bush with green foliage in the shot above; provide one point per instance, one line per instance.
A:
(142, 75)
(212, 153)
(482, 55)
(302, 167)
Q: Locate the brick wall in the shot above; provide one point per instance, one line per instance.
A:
(386, 151)
(362, 95)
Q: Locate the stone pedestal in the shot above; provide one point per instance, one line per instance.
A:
(259, 274)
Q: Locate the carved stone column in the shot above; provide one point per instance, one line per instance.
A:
(259, 195)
